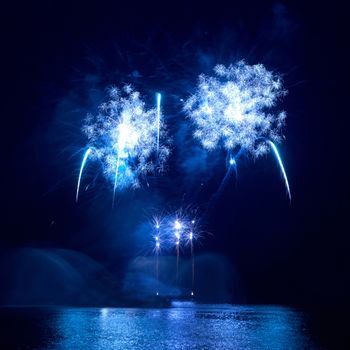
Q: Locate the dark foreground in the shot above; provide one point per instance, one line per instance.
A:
(183, 326)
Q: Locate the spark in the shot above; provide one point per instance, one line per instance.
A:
(233, 165)
(280, 163)
(116, 178)
(177, 225)
(86, 155)
(157, 223)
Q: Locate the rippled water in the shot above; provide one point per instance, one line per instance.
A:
(184, 326)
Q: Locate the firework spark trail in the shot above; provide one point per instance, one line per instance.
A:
(86, 155)
(157, 265)
(157, 238)
(124, 133)
(280, 163)
(192, 256)
(231, 162)
(177, 227)
(157, 270)
(116, 179)
(159, 96)
(177, 262)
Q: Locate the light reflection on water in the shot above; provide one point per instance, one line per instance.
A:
(181, 327)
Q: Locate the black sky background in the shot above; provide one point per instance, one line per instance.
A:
(59, 58)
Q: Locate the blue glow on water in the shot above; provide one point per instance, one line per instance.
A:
(185, 325)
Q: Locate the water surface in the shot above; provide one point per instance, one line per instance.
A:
(183, 326)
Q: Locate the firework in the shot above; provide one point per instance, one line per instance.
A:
(176, 230)
(125, 136)
(235, 110)
(230, 110)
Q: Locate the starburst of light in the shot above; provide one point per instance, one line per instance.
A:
(236, 107)
(236, 110)
(128, 138)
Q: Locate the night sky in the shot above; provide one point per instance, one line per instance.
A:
(58, 59)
